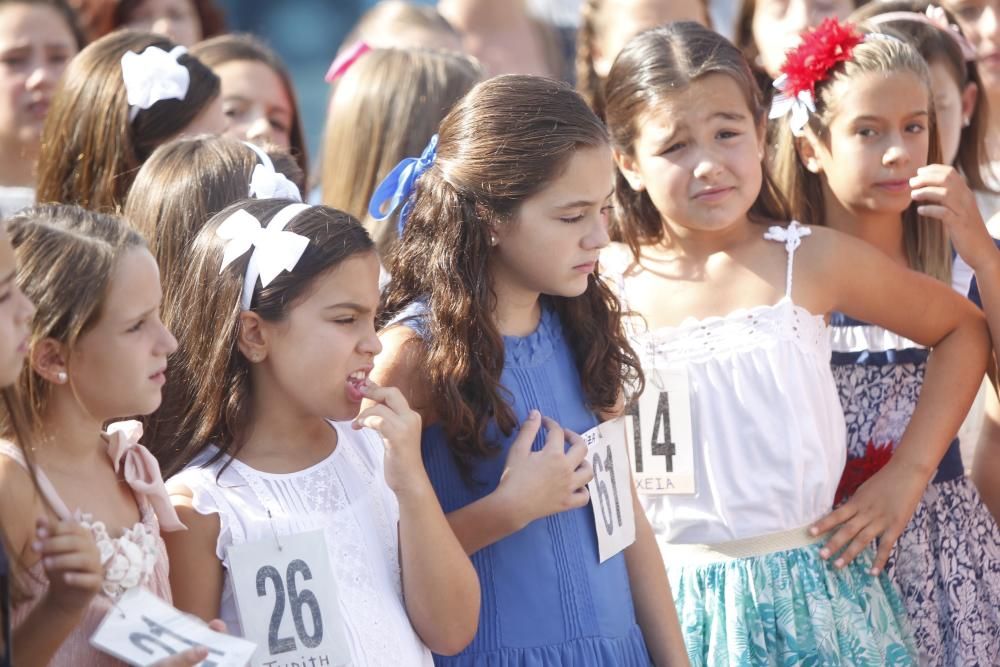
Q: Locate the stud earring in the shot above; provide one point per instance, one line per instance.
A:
(493, 240)
(966, 122)
(61, 377)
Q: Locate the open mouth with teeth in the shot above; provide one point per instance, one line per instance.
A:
(356, 383)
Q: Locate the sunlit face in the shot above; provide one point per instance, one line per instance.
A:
(256, 103)
(698, 156)
(326, 339)
(176, 19)
(552, 245)
(16, 312)
(118, 366)
(777, 25)
(878, 138)
(980, 22)
(624, 19)
(35, 46)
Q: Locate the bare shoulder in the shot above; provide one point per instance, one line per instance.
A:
(400, 364)
(20, 503)
(200, 527)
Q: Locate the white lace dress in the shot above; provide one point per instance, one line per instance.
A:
(346, 496)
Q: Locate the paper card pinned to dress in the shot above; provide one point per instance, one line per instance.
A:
(659, 431)
(141, 629)
(288, 602)
(610, 490)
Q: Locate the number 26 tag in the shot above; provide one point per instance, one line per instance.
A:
(287, 600)
(611, 488)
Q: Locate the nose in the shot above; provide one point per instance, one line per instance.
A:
(895, 155)
(989, 22)
(707, 166)
(41, 76)
(370, 344)
(168, 344)
(162, 26)
(598, 236)
(259, 130)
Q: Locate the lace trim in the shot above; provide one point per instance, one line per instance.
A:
(869, 338)
(128, 560)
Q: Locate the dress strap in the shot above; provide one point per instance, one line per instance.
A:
(12, 451)
(791, 236)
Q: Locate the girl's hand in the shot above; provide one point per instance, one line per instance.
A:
(72, 564)
(553, 479)
(881, 508)
(192, 656)
(399, 427)
(944, 195)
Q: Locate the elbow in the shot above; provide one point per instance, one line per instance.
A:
(457, 632)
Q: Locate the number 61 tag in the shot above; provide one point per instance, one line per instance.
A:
(611, 488)
(287, 600)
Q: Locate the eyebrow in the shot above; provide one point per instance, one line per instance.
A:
(921, 112)
(728, 115)
(349, 305)
(583, 202)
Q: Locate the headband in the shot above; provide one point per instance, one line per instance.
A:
(935, 16)
(345, 60)
(152, 76)
(274, 249)
(397, 187)
(268, 183)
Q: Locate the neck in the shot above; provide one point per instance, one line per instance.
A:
(882, 230)
(70, 437)
(18, 166)
(699, 244)
(517, 309)
(282, 428)
(466, 15)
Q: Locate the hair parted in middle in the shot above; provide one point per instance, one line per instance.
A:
(504, 142)
(206, 400)
(90, 149)
(653, 66)
(928, 249)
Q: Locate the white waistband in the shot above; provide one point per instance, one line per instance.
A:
(700, 554)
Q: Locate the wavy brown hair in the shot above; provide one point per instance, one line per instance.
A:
(90, 150)
(503, 143)
(184, 183)
(653, 66)
(206, 400)
(928, 249)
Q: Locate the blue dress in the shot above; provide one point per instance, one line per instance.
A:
(546, 599)
(947, 561)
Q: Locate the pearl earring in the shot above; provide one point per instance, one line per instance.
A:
(493, 240)
(966, 122)
(61, 377)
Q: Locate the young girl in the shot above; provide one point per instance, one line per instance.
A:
(97, 352)
(874, 112)
(183, 21)
(120, 98)
(386, 106)
(606, 26)
(258, 98)
(37, 39)
(268, 372)
(494, 319)
(187, 181)
(734, 307)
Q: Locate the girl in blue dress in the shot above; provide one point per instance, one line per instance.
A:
(496, 325)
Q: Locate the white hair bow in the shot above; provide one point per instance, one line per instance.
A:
(154, 75)
(800, 106)
(267, 183)
(274, 250)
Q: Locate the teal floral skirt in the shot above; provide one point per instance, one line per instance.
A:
(790, 608)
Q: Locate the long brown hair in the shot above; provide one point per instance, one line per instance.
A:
(65, 259)
(385, 108)
(926, 240)
(184, 183)
(936, 45)
(503, 143)
(653, 66)
(206, 400)
(229, 48)
(90, 151)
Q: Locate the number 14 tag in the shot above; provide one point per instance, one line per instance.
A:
(287, 600)
(611, 488)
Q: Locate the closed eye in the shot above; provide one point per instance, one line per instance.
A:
(135, 327)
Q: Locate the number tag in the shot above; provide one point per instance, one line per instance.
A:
(142, 629)
(610, 492)
(288, 602)
(659, 429)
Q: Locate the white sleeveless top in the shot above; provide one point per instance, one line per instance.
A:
(346, 496)
(768, 428)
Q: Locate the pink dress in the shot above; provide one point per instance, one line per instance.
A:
(138, 557)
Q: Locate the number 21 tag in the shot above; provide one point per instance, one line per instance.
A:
(611, 488)
(287, 601)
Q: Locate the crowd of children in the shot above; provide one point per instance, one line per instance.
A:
(661, 362)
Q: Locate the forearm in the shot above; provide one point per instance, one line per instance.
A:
(988, 281)
(652, 598)
(440, 586)
(954, 373)
(485, 521)
(37, 638)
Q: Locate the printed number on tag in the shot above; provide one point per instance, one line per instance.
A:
(142, 629)
(610, 490)
(287, 601)
(658, 427)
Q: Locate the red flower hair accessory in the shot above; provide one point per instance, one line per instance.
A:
(822, 48)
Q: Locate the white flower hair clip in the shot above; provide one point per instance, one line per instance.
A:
(274, 249)
(152, 76)
(267, 183)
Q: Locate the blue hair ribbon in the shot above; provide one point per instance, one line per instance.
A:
(398, 185)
